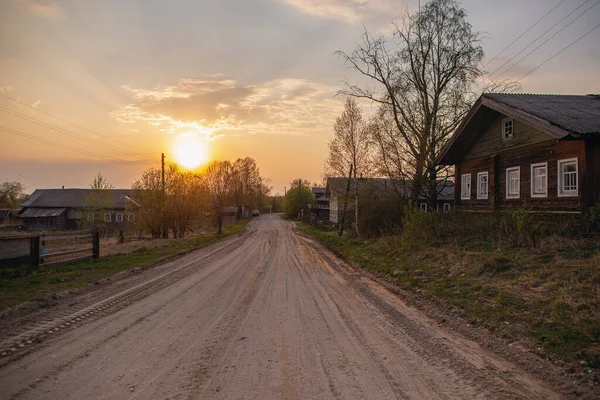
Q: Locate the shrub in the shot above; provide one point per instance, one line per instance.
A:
(595, 215)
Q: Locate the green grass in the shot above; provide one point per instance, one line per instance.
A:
(25, 283)
(549, 295)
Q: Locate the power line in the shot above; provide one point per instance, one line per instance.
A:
(546, 41)
(536, 39)
(66, 121)
(563, 49)
(522, 34)
(64, 131)
(63, 146)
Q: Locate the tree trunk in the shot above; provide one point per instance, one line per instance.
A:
(345, 208)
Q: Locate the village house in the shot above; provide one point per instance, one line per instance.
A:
(515, 148)
(8, 217)
(59, 209)
(320, 210)
(335, 192)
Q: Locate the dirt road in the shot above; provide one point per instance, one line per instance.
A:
(266, 315)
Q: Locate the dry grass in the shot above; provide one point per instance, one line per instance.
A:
(549, 294)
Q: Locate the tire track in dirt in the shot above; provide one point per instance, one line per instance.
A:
(273, 315)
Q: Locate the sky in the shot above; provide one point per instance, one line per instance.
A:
(254, 78)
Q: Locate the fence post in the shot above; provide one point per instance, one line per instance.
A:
(96, 244)
(34, 251)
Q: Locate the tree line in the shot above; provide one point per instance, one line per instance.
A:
(196, 197)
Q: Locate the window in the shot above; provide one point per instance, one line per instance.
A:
(507, 129)
(423, 207)
(513, 177)
(119, 218)
(131, 218)
(465, 187)
(482, 185)
(90, 217)
(446, 207)
(567, 177)
(107, 217)
(539, 180)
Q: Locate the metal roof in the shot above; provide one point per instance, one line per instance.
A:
(34, 212)
(73, 198)
(578, 115)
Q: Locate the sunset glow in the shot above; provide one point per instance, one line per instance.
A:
(190, 150)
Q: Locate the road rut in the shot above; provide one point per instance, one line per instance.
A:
(274, 316)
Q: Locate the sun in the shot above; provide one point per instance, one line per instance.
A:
(190, 150)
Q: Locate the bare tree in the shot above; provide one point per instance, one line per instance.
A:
(422, 82)
(98, 200)
(147, 192)
(350, 148)
(11, 194)
(218, 176)
(186, 198)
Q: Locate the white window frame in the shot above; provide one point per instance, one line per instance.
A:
(119, 217)
(446, 207)
(560, 189)
(423, 207)
(512, 128)
(90, 217)
(465, 195)
(131, 218)
(533, 168)
(508, 194)
(480, 195)
(107, 217)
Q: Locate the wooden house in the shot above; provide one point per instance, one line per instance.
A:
(319, 210)
(59, 209)
(540, 149)
(335, 193)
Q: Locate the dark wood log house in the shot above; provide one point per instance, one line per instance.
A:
(516, 148)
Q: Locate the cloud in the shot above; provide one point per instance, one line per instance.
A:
(6, 89)
(214, 106)
(353, 11)
(42, 8)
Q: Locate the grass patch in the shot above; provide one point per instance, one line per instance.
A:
(25, 283)
(549, 294)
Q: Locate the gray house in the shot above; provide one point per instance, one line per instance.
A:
(336, 190)
(60, 209)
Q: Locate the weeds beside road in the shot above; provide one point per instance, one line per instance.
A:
(549, 295)
(21, 284)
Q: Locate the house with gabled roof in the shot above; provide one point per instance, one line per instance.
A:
(335, 193)
(535, 148)
(58, 209)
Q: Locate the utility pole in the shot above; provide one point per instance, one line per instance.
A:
(165, 232)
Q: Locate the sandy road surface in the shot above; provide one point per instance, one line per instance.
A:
(269, 315)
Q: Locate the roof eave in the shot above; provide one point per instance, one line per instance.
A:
(530, 119)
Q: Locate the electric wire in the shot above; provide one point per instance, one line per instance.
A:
(66, 147)
(491, 78)
(563, 49)
(68, 122)
(522, 34)
(64, 131)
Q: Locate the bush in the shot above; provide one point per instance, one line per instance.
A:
(595, 215)
(379, 216)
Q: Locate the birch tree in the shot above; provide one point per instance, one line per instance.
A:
(422, 80)
(350, 148)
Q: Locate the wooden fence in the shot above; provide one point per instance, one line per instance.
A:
(49, 249)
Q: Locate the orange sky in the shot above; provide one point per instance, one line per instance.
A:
(253, 79)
